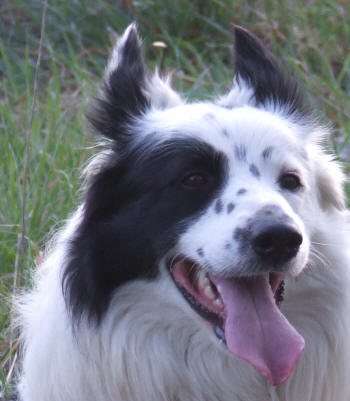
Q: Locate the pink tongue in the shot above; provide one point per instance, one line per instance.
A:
(256, 330)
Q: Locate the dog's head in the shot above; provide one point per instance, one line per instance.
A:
(217, 193)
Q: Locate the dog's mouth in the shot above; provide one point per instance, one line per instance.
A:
(245, 314)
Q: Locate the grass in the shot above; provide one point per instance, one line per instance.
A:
(311, 35)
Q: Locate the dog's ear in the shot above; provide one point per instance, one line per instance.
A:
(329, 180)
(128, 90)
(259, 79)
(122, 97)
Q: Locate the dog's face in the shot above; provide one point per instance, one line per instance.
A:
(217, 194)
(234, 250)
(255, 179)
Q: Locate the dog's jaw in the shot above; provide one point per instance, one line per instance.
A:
(245, 314)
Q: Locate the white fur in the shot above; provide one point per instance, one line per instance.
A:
(151, 346)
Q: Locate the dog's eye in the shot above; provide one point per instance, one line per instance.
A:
(194, 180)
(290, 181)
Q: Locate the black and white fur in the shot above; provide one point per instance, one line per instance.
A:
(105, 320)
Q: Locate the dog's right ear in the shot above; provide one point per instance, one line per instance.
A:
(128, 90)
(122, 95)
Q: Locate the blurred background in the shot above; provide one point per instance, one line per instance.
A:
(43, 142)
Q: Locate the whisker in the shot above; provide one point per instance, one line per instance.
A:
(325, 244)
(320, 257)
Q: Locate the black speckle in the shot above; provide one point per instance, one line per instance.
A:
(240, 234)
(200, 252)
(224, 132)
(227, 245)
(218, 206)
(254, 170)
(230, 207)
(241, 152)
(304, 155)
(209, 116)
(266, 154)
(241, 191)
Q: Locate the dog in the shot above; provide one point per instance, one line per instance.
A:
(209, 259)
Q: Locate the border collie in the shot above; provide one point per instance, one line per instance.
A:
(209, 259)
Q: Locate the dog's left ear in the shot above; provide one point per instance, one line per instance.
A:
(329, 181)
(259, 79)
(129, 90)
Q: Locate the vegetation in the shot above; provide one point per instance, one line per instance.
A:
(311, 35)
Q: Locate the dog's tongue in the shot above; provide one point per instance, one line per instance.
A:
(256, 330)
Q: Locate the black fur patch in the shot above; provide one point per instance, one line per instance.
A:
(200, 252)
(266, 154)
(225, 133)
(210, 116)
(254, 170)
(241, 235)
(241, 152)
(218, 206)
(260, 70)
(122, 94)
(230, 207)
(136, 208)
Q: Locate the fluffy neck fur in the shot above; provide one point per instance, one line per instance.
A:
(148, 349)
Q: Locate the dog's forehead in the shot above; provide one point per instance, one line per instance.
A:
(224, 129)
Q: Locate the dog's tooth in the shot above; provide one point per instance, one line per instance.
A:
(209, 292)
(218, 302)
(202, 279)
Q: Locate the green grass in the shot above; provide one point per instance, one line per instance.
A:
(312, 35)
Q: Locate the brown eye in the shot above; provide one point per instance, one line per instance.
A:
(194, 180)
(290, 181)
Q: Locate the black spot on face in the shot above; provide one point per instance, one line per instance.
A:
(228, 245)
(200, 252)
(241, 191)
(254, 170)
(241, 152)
(266, 154)
(210, 116)
(218, 206)
(240, 234)
(304, 154)
(230, 207)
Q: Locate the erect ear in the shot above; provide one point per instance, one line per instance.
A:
(128, 90)
(329, 180)
(122, 96)
(260, 77)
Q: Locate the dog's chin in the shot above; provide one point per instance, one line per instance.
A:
(245, 315)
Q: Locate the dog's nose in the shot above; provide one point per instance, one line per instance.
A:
(276, 242)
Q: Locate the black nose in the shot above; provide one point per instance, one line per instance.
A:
(276, 243)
